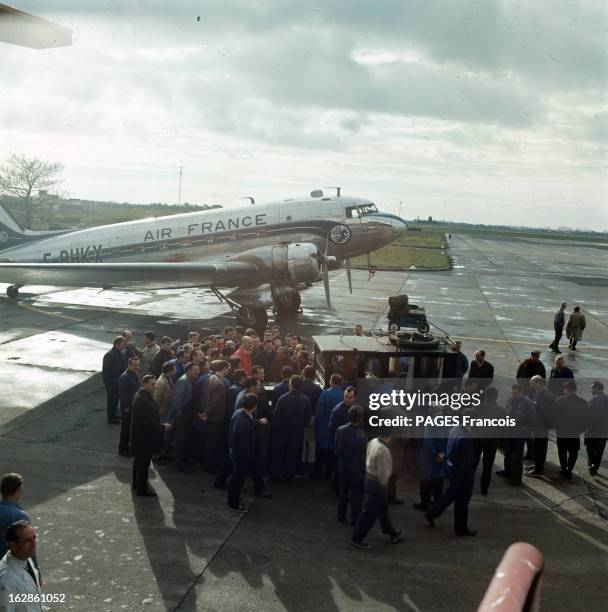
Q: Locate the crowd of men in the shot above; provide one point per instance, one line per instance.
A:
(247, 406)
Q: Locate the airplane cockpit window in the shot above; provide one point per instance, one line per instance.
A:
(359, 211)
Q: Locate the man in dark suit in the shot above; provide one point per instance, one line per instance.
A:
(481, 371)
(289, 419)
(544, 405)
(146, 435)
(460, 455)
(312, 391)
(128, 385)
(558, 327)
(350, 445)
(571, 412)
(486, 447)
(114, 364)
(597, 431)
(242, 445)
(520, 408)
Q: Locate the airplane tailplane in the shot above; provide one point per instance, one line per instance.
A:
(12, 234)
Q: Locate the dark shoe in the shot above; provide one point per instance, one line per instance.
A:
(533, 473)
(239, 509)
(264, 495)
(557, 351)
(148, 493)
(397, 536)
(361, 545)
(466, 532)
(568, 475)
(420, 507)
(502, 473)
(395, 501)
(430, 519)
(125, 453)
(593, 470)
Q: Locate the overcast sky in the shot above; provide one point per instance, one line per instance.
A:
(479, 111)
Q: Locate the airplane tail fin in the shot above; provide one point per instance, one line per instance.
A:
(12, 234)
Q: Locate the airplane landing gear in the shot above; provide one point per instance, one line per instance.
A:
(13, 291)
(287, 304)
(248, 316)
(252, 317)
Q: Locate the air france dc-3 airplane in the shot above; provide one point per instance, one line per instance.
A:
(264, 254)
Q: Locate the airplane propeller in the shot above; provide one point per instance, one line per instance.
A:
(349, 276)
(324, 259)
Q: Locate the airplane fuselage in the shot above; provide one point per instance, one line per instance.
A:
(328, 222)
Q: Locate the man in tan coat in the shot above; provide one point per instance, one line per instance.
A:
(575, 327)
(163, 396)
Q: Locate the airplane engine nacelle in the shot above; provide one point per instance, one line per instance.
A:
(284, 263)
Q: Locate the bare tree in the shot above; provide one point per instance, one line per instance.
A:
(20, 176)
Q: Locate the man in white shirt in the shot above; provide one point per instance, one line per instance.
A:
(378, 468)
(18, 574)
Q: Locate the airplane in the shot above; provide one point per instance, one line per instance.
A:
(266, 254)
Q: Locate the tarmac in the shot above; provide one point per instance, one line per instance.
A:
(108, 550)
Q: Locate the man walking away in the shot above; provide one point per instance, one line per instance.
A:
(558, 327)
(378, 468)
(128, 386)
(461, 471)
(351, 444)
(242, 445)
(114, 364)
(146, 435)
(597, 432)
(575, 327)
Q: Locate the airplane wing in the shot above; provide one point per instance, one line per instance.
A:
(27, 30)
(178, 274)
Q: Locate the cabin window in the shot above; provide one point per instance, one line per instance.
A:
(353, 212)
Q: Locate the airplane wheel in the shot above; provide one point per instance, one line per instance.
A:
(253, 317)
(288, 304)
(393, 327)
(13, 292)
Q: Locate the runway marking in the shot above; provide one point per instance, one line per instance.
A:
(588, 348)
(50, 314)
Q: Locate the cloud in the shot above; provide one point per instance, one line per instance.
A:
(405, 91)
